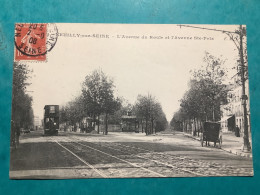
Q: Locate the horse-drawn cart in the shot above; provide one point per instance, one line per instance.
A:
(211, 133)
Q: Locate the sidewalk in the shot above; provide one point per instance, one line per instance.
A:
(230, 143)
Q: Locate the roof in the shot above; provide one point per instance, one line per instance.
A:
(50, 105)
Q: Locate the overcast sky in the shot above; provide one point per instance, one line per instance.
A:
(138, 66)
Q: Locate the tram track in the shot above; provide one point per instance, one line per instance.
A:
(73, 156)
(152, 153)
(198, 168)
(167, 165)
(155, 163)
(135, 165)
(85, 162)
(162, 155)
(212, 165)
(206, 165)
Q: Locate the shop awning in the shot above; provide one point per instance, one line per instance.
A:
(226, 118)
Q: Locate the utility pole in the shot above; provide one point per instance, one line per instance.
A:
(244, 97)
(241, 32)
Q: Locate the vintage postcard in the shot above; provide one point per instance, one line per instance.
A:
(130, 101)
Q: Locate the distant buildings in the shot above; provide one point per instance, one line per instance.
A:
(37, 122)
(87, 124)
(232, 112)
(129, 123)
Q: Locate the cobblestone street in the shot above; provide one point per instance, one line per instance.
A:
(76, 155)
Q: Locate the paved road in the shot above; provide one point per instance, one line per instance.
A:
(74, 155)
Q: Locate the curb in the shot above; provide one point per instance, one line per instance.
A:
(247, 155)
(192, 137)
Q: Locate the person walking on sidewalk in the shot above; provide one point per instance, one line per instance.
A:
(15, 133)
(237, 131)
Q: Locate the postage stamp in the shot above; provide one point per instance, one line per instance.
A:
(33, 41)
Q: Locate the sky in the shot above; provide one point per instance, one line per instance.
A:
(155, 65)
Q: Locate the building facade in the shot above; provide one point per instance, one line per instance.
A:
(232, 112)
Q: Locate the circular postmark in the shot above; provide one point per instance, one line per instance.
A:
(52, 36)
(35, 39)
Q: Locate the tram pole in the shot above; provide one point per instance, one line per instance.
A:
(244, 97)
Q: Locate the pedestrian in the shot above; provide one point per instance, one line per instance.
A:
(17, 131)
(13, 132)
(237, 131)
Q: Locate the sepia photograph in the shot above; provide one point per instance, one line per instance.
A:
(130, 101)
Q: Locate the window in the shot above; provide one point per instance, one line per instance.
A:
(52, 109)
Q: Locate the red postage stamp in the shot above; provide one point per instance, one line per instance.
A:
(34, 40)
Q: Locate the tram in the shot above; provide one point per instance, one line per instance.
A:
(51, 119)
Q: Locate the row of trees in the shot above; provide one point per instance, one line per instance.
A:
(206, 93)
(150, 113)
(97, 100)
(22, 113)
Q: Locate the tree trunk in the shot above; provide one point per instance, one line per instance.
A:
(199, 125)
(213, 113)
(94, 120)
(152, 132)
(142, 126)
(106, 129)
(190, 127)
(74, 127)
(146, 130)
(98, 125)
(195, 129)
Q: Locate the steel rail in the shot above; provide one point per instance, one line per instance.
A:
(86, 163)
(132, 164)
(156, 161)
